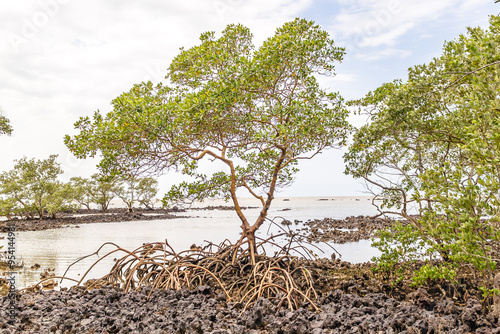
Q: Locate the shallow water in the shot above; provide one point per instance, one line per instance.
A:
(58, 248)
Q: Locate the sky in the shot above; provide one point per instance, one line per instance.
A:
(64, 59)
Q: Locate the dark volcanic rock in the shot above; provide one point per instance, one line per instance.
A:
(67, 220)
(340, 231)
(108, 310)
(222, 207)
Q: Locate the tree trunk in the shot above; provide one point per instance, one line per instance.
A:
(149, 207)
(250, 235)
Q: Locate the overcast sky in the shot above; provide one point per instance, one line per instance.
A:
(62, 59)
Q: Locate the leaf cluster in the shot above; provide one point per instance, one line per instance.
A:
(258, 111)
(101, 190)
(5, 127)
(32, 189)
(430, 153)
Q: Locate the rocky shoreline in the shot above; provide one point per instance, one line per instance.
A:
(352, 297)
(203, 310)
(112, 215)
(339, 231)
(73, 219)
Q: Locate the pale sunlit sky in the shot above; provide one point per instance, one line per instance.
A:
(62, 59)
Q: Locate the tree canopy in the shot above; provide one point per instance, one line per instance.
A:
(32, 189)
(257, 110)
(103, 189)
(431, 154)
(82, 190)
(133, 189)
(147, 189)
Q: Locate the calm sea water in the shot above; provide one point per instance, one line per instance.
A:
(58, 248)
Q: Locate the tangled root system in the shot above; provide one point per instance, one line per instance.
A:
(226, 266)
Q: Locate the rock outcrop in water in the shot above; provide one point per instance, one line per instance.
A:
(85, 217)
(339, 231)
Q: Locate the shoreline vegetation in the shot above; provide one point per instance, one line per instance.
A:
(72, 218)
(84, 216)
(75, 217)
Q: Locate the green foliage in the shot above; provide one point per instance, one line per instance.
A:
(431, 153)
(433, 273)
(147, 189)
(5, 127)
(8, 207)
(134, 189)
(488, 292)
(104, 189)
(258, 111)
(401, 247)
(31, 189)
(126, 190)
(60, 200)
(83, 190)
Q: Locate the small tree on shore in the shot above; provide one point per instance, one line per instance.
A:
(256, 111)
(8, 207)
(147, 189)
(126, 190)
(133, 189)
(60, 200)
(82, 190)
(104, 188)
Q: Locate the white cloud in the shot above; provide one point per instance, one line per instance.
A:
(364, 24)
(386, 38)
(384, 53)
(61, 59)
(343, 77)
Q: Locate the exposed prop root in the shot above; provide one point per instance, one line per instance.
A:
(39, 285)
(227, 267)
